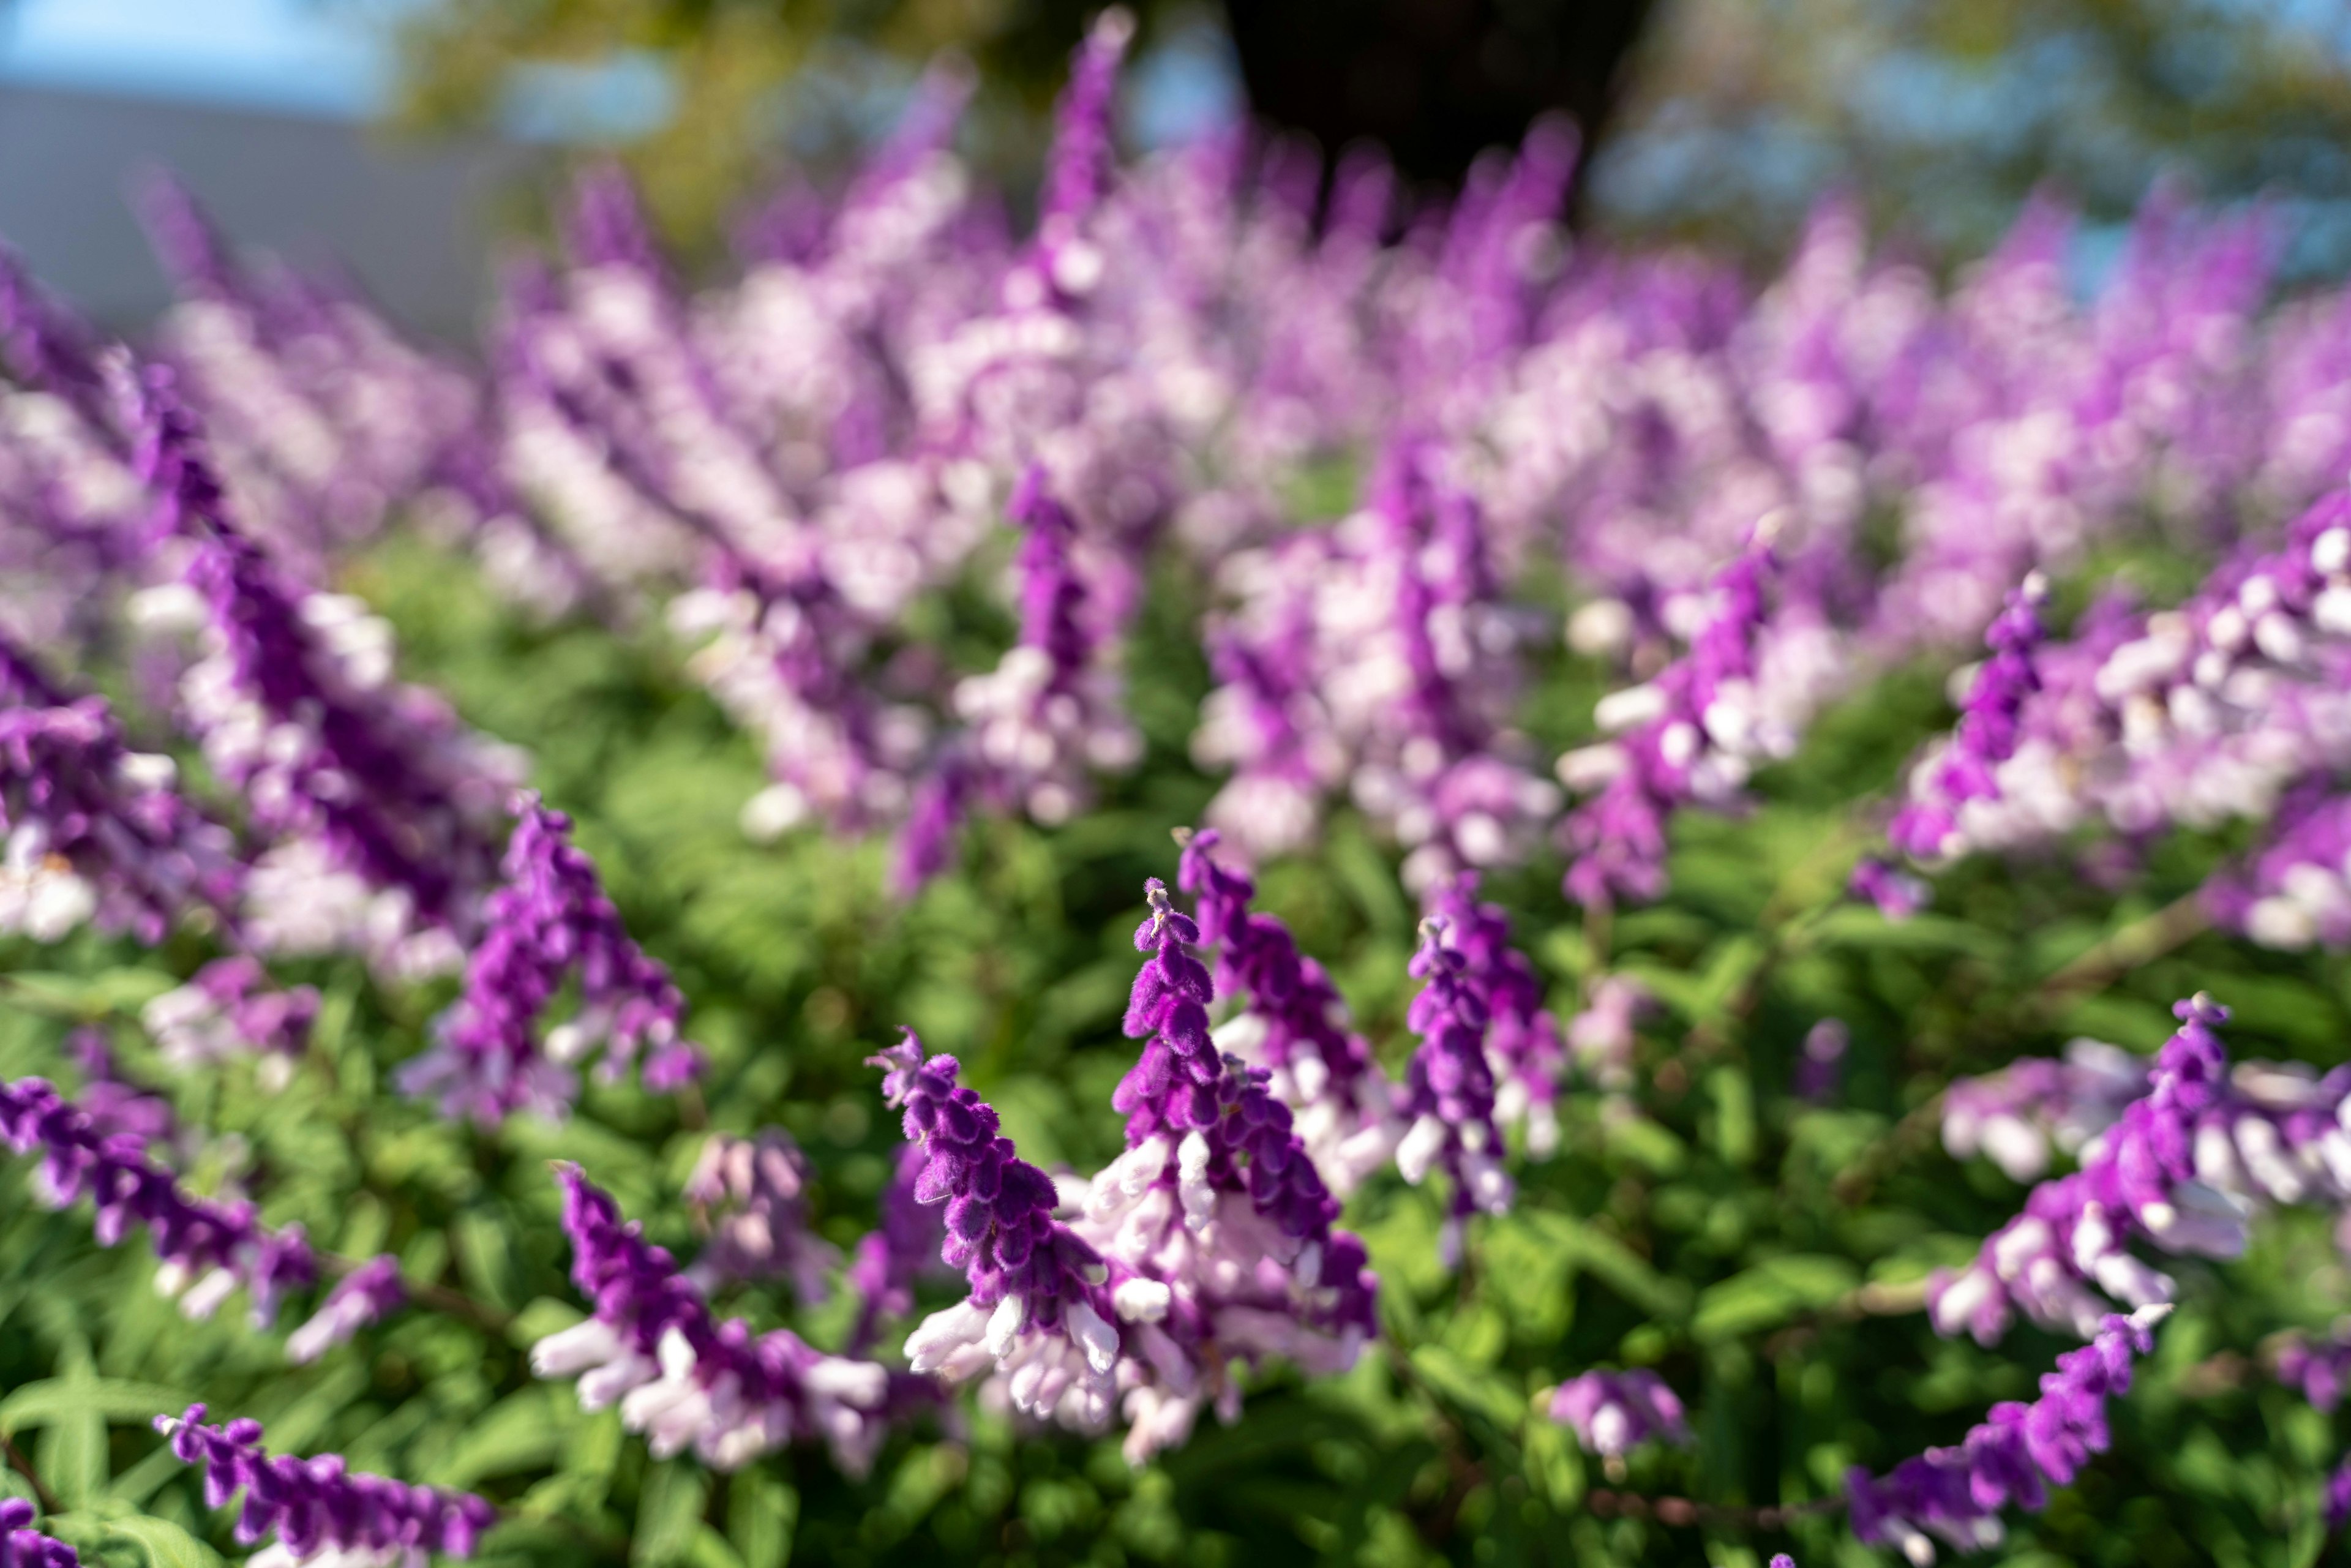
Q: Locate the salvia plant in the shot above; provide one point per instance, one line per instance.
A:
(1259, 866)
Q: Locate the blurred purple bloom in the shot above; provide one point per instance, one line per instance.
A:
(315, 1506)
(1613, 1412)
(206, 1248)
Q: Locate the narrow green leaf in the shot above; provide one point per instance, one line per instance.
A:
(668, 1509)
(761, 1511)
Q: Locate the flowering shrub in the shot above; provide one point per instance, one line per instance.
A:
(1671, 823)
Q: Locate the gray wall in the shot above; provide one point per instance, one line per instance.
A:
(413, 222)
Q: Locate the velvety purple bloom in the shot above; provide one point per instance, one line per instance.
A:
(687, 1380)
(2011, 1459)
(1523, 1045)
(1079, 169)
(113, 1105)
(1291, 1022)
(1613, 1412)
(317, 1506)
(1050, 711)
(548, 924)
(2297, 890)
(1450, 1088)
(207, 1248)
(1947, 779)
(22, 1546)
(358, 1299)
(1039, 1309)
(752, 1195)
(2338, 1497)
(1216, 1226)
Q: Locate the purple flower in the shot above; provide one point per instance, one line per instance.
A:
(891, 1257)
(1601, 1037)
(1050, 710)
(318, 1505)
(93, 829)
(1039, 1310)
(2319, 1369)
(1523, 1047)
(1450, 1088)
(1215, 1224)
(2338, 1497)
(758, 1188)
(685, 1379)
(22, 1546)
(207, 1248)
(2011, 1459)
(1943, 783)
(1291, 1022)
(1821, 1066)
(548, 924)
(1079, 169)
(2145, 1177)
(1692, 734)
(2015, 1114)
(1897, 894)
(377, 798)
(230, 1008)
(1613, 1412)
(358, 1299)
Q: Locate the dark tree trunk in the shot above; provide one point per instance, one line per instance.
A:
(1436, 81)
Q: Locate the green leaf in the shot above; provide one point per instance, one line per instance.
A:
(523, 1431)
(668, 1509)
(72, 1456)
(165, 1544)
(111, 1399)
(761, 1511)
(1771, 1293)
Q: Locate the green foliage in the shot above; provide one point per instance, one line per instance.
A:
(1762, 1252)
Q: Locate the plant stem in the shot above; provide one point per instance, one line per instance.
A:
(2141, 941)
(24, 1467)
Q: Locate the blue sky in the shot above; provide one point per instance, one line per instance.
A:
(311, 56)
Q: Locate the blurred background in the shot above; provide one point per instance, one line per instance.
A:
(406, 136)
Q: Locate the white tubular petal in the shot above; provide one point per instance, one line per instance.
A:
(1004, 1326)
(1140, 1300)
(1095, 1337)
(863, 1384)
(1418, 1152)
(941, 1334)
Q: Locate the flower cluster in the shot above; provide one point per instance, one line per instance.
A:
(93, 829)
(375, 800)
(1039, 1308)
(684, 1378)
(2015, 1115)
(1292, 1023)
(551, 922)
(1613, 1412)
(1943, 783)
(752, 1194)
(1449, 1088)
(2011, 1459)
(359, 1298)
(22, 1546)
(318, 1509)
(230, 1008)
(1524, 1049)
(2185, 1166)
(208, 1249)
(1216, 1223)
